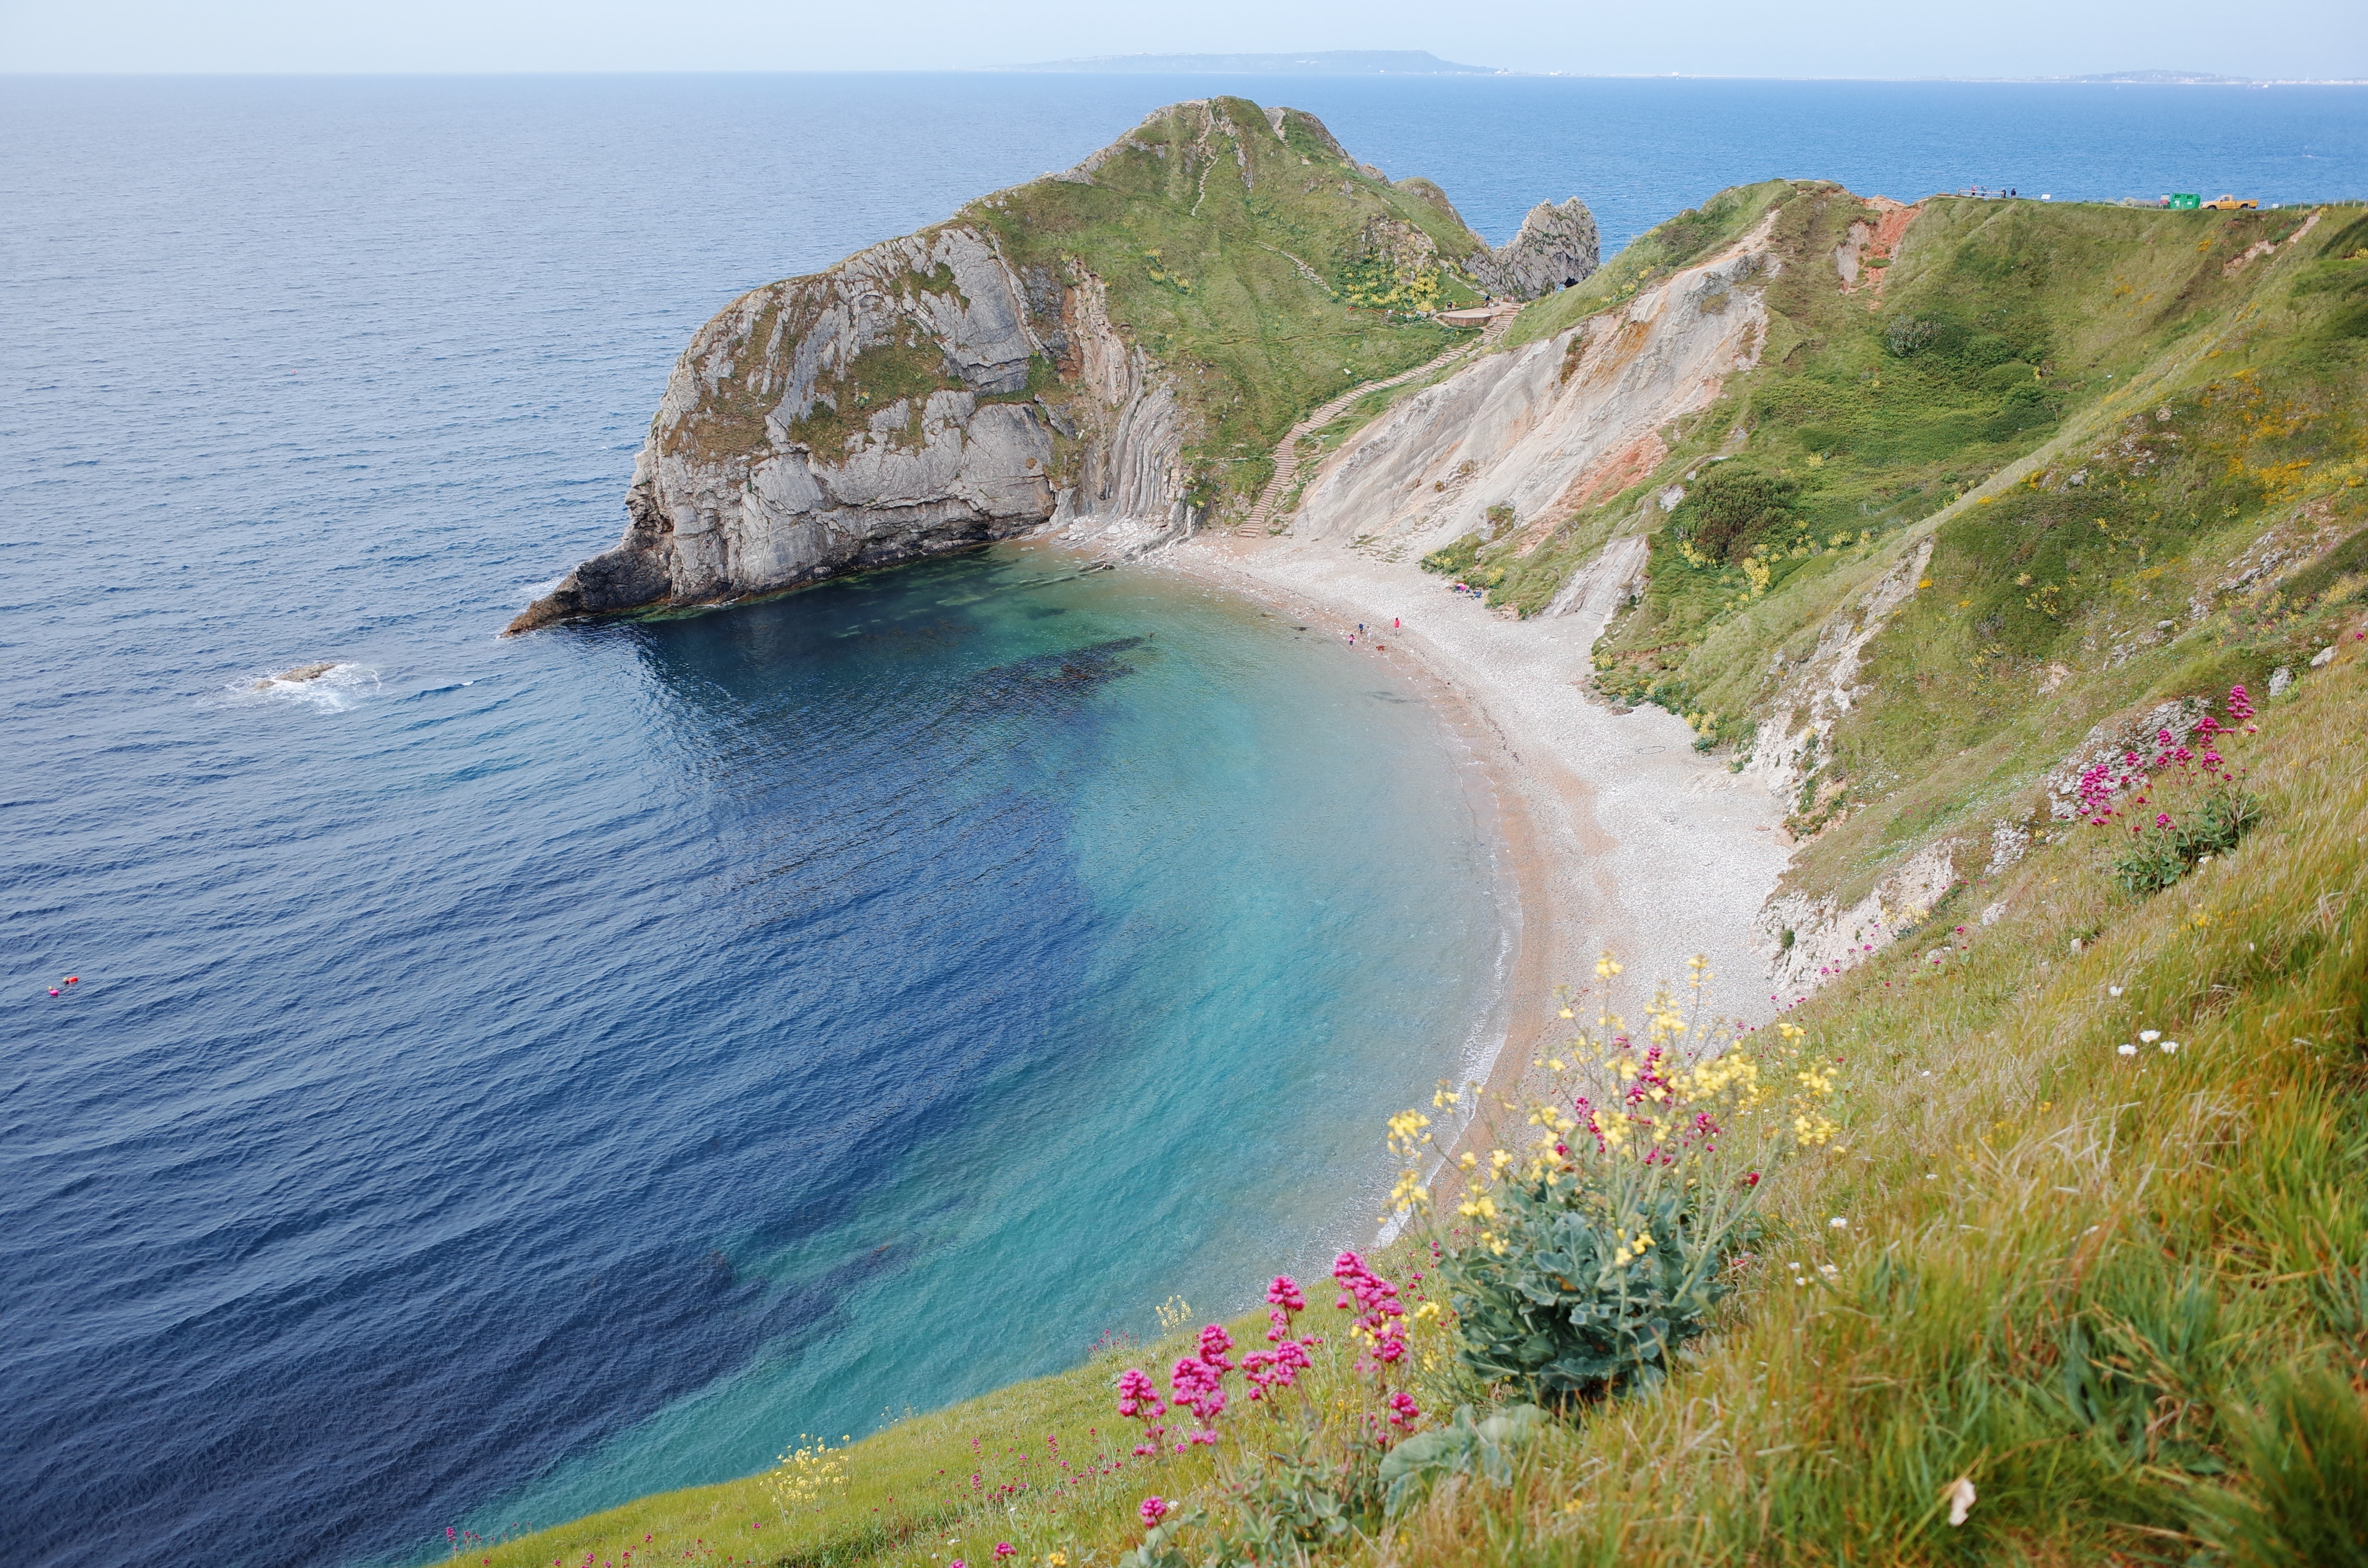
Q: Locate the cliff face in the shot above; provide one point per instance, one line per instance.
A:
(1545, 429)
(1112, 350)
(876, 412)
(1557, 248)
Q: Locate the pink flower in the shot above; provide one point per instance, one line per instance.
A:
(1214, 1343)
(1138, 1399)
(1154, 1509)
(1198, 1387)
(2162, 819)
(1284, 1293)
(1402, 1413)
(1005, 1549)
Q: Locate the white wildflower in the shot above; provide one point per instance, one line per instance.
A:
(2149, 1035)
(2169, 1047)
(1839, 1223)
(2127, 1049)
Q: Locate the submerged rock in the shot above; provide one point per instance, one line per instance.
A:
(296, 676)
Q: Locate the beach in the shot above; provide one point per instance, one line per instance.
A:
(1618, 836)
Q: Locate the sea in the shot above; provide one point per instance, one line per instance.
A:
(499, 1078)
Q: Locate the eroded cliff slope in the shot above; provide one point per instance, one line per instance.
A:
(1113, 349)
(1914, 512)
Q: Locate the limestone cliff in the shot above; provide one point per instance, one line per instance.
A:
(1557, 248)
(1112, 350)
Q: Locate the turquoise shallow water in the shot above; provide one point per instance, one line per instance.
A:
(1227, 870)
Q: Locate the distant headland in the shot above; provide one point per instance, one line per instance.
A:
(1319, 62)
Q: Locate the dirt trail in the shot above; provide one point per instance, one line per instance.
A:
(1286, 456)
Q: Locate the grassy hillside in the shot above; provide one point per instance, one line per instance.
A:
(1260, 268)
(2101, 420)
(1263, 268)
(2069, 1262)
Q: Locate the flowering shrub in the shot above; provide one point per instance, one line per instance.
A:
(2216, 814)
(1587, 1260)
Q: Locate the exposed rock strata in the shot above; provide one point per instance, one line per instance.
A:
(755, 480)
(979, 379)
(1545, 427)
(1557, 248)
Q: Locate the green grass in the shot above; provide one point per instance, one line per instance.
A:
(1192, 227)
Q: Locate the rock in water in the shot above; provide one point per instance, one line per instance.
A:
(1100, 349)
(298, 675)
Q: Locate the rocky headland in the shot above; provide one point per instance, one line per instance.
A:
(1111, 350)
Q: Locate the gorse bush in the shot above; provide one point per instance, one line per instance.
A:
(1732, 507)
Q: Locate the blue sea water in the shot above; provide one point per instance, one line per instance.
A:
(507, 1077)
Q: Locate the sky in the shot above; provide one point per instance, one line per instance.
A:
(2270, 39)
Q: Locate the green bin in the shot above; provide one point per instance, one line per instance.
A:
(2188, 202)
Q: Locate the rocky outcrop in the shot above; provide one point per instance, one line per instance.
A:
(1038, 361)
(1557, 248)
(777, 457)
(1546, 427)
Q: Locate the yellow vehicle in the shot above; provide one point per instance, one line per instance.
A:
(2228, 204)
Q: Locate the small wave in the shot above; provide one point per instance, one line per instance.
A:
(333, 687)
(533, 591)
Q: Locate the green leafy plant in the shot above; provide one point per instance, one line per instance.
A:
(1608, 1269)
(2161, 854)
(1588, 1261)
(1463, 1447)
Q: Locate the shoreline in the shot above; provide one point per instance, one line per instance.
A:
(1588, 809)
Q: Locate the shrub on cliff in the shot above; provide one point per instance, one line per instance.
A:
(1731, 508)
(1585, 1262)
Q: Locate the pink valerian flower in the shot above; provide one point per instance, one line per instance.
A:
(1005, 1549)
(1138, 1398)
(1154, 1509)
(2240, 707)
(1198, 1387)
(1284, 1299)
(1275, 1368)
(1214, 1343)
(2162, 819)
(1379, 1316)
(1403, 1412)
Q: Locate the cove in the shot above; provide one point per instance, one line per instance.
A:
(1077, 933)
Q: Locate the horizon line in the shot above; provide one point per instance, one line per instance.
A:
(2096, 79)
